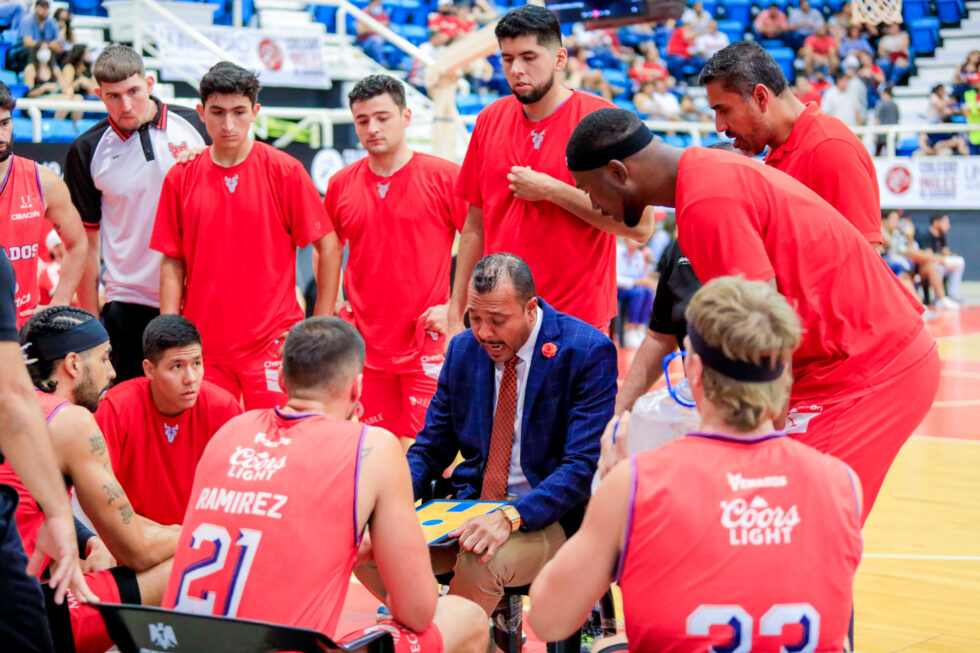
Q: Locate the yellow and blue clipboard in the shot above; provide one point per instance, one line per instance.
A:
(441, 517)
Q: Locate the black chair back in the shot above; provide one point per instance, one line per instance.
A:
(136, 628)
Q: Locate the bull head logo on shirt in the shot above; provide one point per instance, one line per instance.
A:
(171, 432)
(537, 137)
(25, 201)
(177, 149)
(383, 189)
(231, 183)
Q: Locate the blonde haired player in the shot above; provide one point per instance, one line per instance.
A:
(688, 530)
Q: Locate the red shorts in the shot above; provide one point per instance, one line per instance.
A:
(867, 430)
(397, 401)
(254, 381)
(406, 641)
(81, 622)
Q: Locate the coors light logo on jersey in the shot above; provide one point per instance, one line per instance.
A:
(755, 522)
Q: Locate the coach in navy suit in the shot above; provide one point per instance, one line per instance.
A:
(524, 396)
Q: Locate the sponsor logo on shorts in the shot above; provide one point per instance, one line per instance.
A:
(170, 432)
(755, 522)
(163, 635)
(432, 365)
(537, 138)
(231, 183)
(262, 438)
(251, 465)
(397, 633)
(738, 482)
(419, 401)
(235, 502)
(383, 189)
(272, 375)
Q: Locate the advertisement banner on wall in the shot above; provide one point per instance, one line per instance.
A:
(280, 59)
(940, 183)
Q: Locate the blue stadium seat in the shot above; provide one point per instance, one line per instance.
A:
(770, 44)
(616, 77)
(924, 35)
(913, 10)
(676, 140)
(18, 90)
(416, 34)
(625, 105)
(784, 57)
(907, 146)
(739, 11)
(733, 28)
(87, 7)
(326, 15)
(950, 11)
(58, 131)
(9, 77)
(23, 129)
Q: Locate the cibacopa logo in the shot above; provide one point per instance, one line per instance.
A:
(898, 179)
(754, 523)
(163, 636)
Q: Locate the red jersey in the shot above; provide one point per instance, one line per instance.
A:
(23, 227)
(29, 515)
(154, 456)
(573, 263)
(401, 230)
(726, 513)
(824, 155)
(270, 532)
(237, 230)
(738, 217)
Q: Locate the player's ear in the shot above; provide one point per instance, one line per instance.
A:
(761, 96)
(74, 365)
(618, 170)
(407, 116)
(255, 109)
(561, 59)
(357, 388)
(148, 369)
(200, 112)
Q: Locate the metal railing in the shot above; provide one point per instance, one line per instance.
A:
(320, 121)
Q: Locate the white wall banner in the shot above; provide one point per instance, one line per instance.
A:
(929, 182)
(279, 58)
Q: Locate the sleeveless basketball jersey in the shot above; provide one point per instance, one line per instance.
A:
(28, 515)
(22, 227)
(739, 546)
(270, 530)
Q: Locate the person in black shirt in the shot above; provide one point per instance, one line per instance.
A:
(951, 266)
(25, 443)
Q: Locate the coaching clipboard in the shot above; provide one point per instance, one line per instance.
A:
(441, 517)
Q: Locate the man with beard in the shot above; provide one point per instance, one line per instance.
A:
(867, 370)
(754, 105)
(390, 206)
(520, 192)
(68, 360)
(33, 199)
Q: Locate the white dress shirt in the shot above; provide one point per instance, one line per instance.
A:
(517, 483)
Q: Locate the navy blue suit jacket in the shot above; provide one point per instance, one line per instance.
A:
(569, 399)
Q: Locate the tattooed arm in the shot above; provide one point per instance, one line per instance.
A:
(135, 542)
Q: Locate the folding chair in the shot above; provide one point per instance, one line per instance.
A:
(140, 629)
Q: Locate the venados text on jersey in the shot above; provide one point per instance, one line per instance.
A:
(233, 502)
(739, 483)
(250, 465)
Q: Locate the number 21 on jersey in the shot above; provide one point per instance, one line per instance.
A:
(246, 544)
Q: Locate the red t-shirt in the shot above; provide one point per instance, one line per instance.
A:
(825, 155)
(648, 71)
(813, 95)
(760, 536)
(573, 263)
(448, 24)
(23, 228)
(678, 44)
(821, 45)
(270, 532)
(736, 216)
(154, 456)
(401, 231)
(237, 230)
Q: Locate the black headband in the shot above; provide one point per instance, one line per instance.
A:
(716, 359)
(79, 338)
(581, 161)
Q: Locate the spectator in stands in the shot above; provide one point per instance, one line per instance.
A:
(894, 246)
(657, 102)
(872, 75)
(854, 42)
(840, 22)
(771, 23)
(77, 71)
(62, 16)
(43, 78)
(893, 53)
(950, 265)
(36, 30)
(902, 236)
(819, 82)
(805, 91)
(11, 11)
(433, 47)
(635, 285)
(369, 40)
(840, 103)
(646, 70)
(696, 18)
(690, 111)
(445, 20)
(886, 113)
(820, 50)
(940, 109)
(803, 21)
(707, 44)
(679, 50)
(967, 75)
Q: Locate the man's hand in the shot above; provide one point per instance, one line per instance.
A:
(613, 452)
(97, 556)
(57, 540)
(437, 318)
(526, 184)
(484, 534)
(189, 154)
(31, 311)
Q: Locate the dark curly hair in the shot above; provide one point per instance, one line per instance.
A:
(56, 319)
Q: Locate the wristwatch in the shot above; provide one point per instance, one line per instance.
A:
(514, 517)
